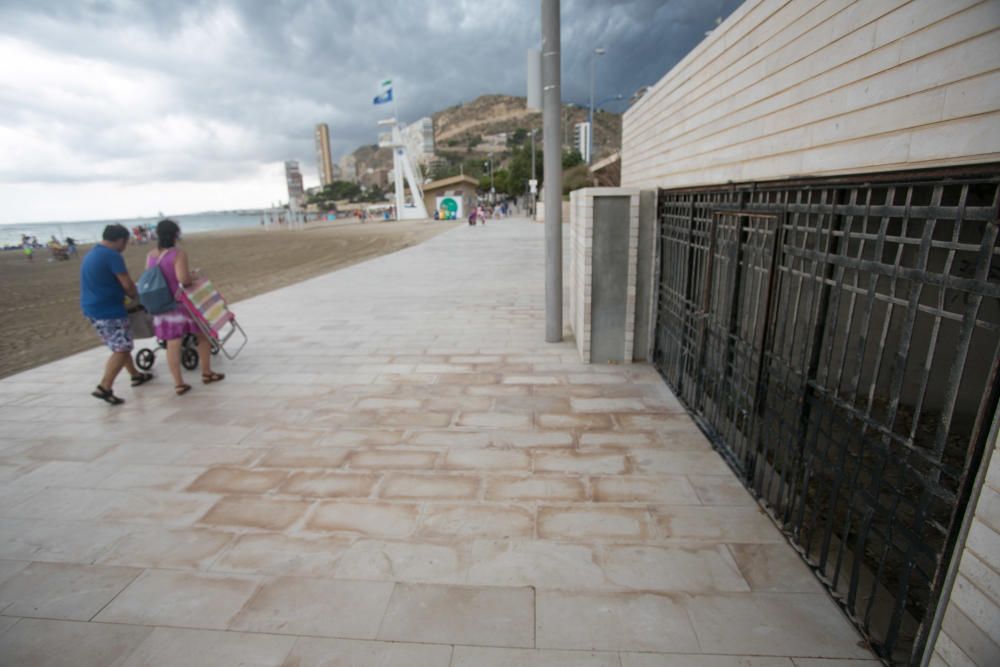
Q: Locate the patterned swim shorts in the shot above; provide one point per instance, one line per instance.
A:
(116, 333)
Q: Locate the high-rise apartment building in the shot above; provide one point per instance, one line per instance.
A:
(349, 168)
(293, 177)
(324, 162)
(582, 140)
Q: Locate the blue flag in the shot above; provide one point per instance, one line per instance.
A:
(384, 98)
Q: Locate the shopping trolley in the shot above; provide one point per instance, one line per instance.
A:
(211, 314)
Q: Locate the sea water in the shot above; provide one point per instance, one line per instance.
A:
(90, 231)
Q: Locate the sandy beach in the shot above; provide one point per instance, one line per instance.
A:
(40, 318)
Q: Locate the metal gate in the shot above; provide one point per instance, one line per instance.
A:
(838, 340)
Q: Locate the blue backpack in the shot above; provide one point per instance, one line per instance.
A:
(154, 293)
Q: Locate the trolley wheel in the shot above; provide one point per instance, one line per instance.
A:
(190, 342)
(189, 358)
(215, 350)
(144, 358)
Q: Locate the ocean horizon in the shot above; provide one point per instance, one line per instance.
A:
(89, 231)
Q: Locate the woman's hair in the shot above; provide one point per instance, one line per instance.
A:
(167, 232)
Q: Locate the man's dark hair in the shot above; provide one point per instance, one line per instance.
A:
(167, 232)
(115, 233)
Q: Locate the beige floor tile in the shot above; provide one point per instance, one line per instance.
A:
(460, 615)
(413, 419)
(835, 662)
(480, 656)
(176, 647)
(613, 622)
(494, 420)
(487, 459)
(603, 405)
(65, 504)
(362, 438)
(598, 523)
(304, 457)
(774, 568)
(151, 477)
(537, 563)
(45, 643)
(159, 507)
(726, 524)
(708, 569)
(71, 450)
(157, 547)
(791, 624)
(181, 599)
(329, 484)
(430, 487)
(374, 519)
(590, 422)
(592, 463)
(8, 568)
(280, 554)
(395, 459)
(381, 560)
(251, 512)
(659, 490)
(442, 521)
(62, 591)
(721, 490)
(56, 541)
(455, 441)
(6, 623)
(284, 436)
(221, 456)
(693, 660)
(616, 440)
(532, 439)
(318, 652)
(75, 474)
(536, 487)
(237, 480)
(319, 607)
(674, 462)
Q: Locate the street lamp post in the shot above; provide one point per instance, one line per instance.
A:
(590, 125)
(534, 176)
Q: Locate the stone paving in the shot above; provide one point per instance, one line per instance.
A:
(398, 471)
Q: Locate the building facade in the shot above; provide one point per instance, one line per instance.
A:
(349, 168)
(324, 161)
(419, 140)
(821, 170)
(293, 179)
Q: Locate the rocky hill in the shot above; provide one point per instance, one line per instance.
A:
(465, 130)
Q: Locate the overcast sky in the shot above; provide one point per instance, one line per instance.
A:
(117, 108)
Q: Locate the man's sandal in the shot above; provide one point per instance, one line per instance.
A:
(107, 396)
(181, 389)
(141, 378)
(209, 378)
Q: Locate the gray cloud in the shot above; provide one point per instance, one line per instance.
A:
(163, 90)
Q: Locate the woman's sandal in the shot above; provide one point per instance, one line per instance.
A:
(181, 389)
(107, 396)
(209, 378)
(141, 378)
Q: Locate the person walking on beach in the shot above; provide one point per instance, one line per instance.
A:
(173, 325)
(104, 284)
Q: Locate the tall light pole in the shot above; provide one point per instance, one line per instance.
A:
(552, 98)
(590, 130)
(534, 176)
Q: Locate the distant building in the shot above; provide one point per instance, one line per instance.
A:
(493, 142)
(582, 140)
(293, 177)
(349, 168)
(419, 140)
(324, 162)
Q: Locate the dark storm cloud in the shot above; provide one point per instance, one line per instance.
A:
(206, 90)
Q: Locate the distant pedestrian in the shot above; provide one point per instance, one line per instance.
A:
(71, 247)
(104, 284)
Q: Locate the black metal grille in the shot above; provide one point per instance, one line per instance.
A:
(838, 341)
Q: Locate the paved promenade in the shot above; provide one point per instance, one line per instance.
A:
(397, 472)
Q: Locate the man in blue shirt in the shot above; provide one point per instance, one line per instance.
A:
(104, 284)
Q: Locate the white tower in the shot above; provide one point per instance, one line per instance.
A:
(403, 167)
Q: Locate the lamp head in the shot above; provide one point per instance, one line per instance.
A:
(600, 51)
